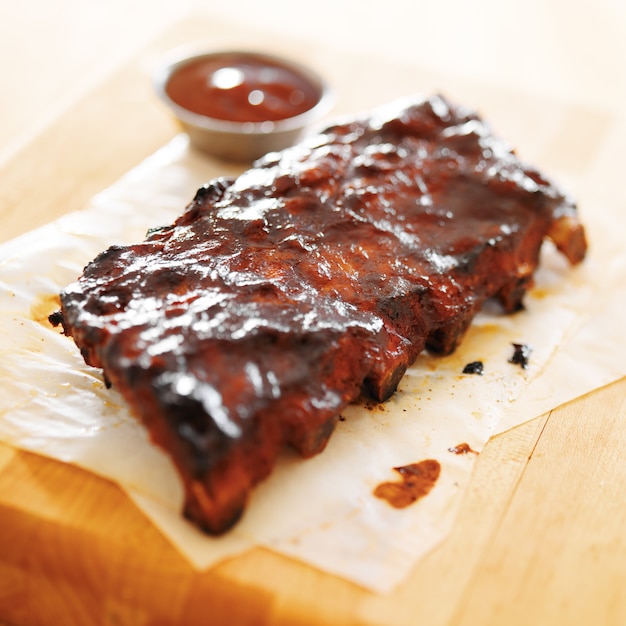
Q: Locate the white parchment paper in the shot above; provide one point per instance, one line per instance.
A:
(321, 511)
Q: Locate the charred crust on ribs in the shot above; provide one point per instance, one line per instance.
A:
(250, 322)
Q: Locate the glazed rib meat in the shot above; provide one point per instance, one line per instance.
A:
(277, 297)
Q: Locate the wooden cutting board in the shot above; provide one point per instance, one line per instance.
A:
(540, 537)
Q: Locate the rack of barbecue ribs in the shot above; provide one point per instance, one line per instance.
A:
(279, 296)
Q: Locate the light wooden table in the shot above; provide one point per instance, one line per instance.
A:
(541, 534)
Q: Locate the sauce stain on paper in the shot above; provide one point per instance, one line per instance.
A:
(43, 305)
(417, 479)
(462, 448)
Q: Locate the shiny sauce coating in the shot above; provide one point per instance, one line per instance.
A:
(242, 88)
(330, 265)
(250, 322)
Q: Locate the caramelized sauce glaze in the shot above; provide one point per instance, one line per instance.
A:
(262, 311)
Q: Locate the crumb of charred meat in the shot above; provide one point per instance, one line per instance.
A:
(475, 367)
(521, 355)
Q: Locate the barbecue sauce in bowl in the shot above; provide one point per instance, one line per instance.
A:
(241, 87)
(241, 105)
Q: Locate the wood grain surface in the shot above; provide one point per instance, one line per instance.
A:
(540, 537)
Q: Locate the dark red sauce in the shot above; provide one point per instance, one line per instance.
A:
(417, 481)
(239, 87)
(462, 448)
